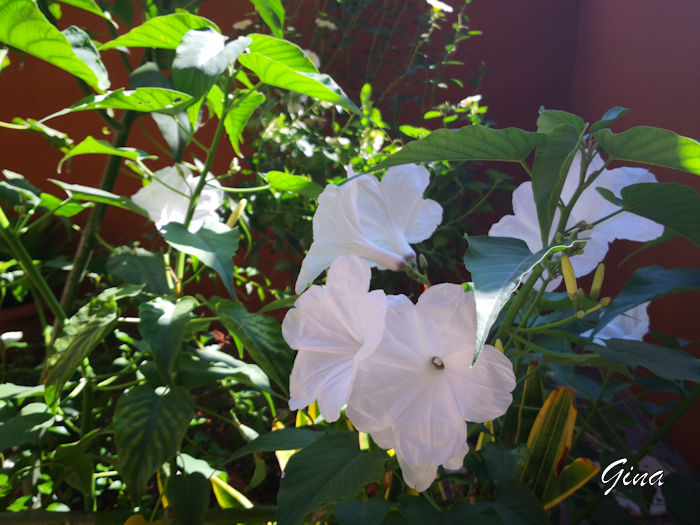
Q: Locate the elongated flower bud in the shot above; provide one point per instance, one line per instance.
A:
(597, 281)
(235, 214)
(569, 276)
(499, 346)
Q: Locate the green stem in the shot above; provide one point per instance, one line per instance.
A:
(660, 432)
(20, 253)
(560, 355)
(517, 303)
(555, 324)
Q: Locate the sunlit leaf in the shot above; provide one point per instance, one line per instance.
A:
(90, 145)
(87, 193)
(23, 26)
(467, 143)
(281, 51)
(272, 13)
(86, 51)
(164, 32)
(648, 145)
(294, 183)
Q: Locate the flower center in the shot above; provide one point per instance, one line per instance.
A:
(437, 363)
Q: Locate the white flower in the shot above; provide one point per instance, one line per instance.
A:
(326, 24)
(632, 324)
(416, 391)
(333, 329)
(372, 219)
(590, 207)
(315, 60)
(440, 6)
(167, 198)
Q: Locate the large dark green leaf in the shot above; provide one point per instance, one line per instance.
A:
(647, 284)
(668, 363)
(497, 265)
(261, 336)
(682, 496)
(316, 85)
(356, 512)
(516, 504)
(283, 439)
(552, 162)
(164, 32)
(272, 13)
(23, 26)
(140, 99)
(91, 145)
(467, 143)
(139, 266)
(148, 429)
(73, 463)
(214, 244)
(330, 469)
(675, 206)
(188, 496)
(201, 57)
(648, 145)
(22, 428)
(281, 51)
(163, 325)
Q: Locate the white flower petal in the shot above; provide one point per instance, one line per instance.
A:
(333, 328)
(632, 324)
(420, 477)
(362, 217)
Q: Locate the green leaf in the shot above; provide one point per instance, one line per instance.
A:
(503, 463)
(163, 325)
(148, 429)
(214, 244)
(139, 266)
(497, 265)
(647, 284)
(330, 469)
(648, 145)
(87, 193)
(572, 477)
(188, 497)
(86, 51)
(675, 206)
(140, 99)
(285, 302)
(163, 32)
(356, 512)
(56, 139)
(315, 85)
(22, 428)
(91, 7)
(261, 336)
(23, 26)
(682, 496)
(551, 166)
(90, 145)
(12, 391)
(201, 57)
(79, 336)
(467, 143)
(272, 13)
(281, 51)
(669, 363)
(244, 105)
(281, 181)
(283, 439)
(517, 504)
(551, 119)
(73, 463)
(609, 117)
(214, 364)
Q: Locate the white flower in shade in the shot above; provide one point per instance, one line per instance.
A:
(440, 6)
(589, 208)
(242, 25)
(333, 329)
(372, 219)
(416, 391)
(632, 324)
(167, 198)
(326, 24)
